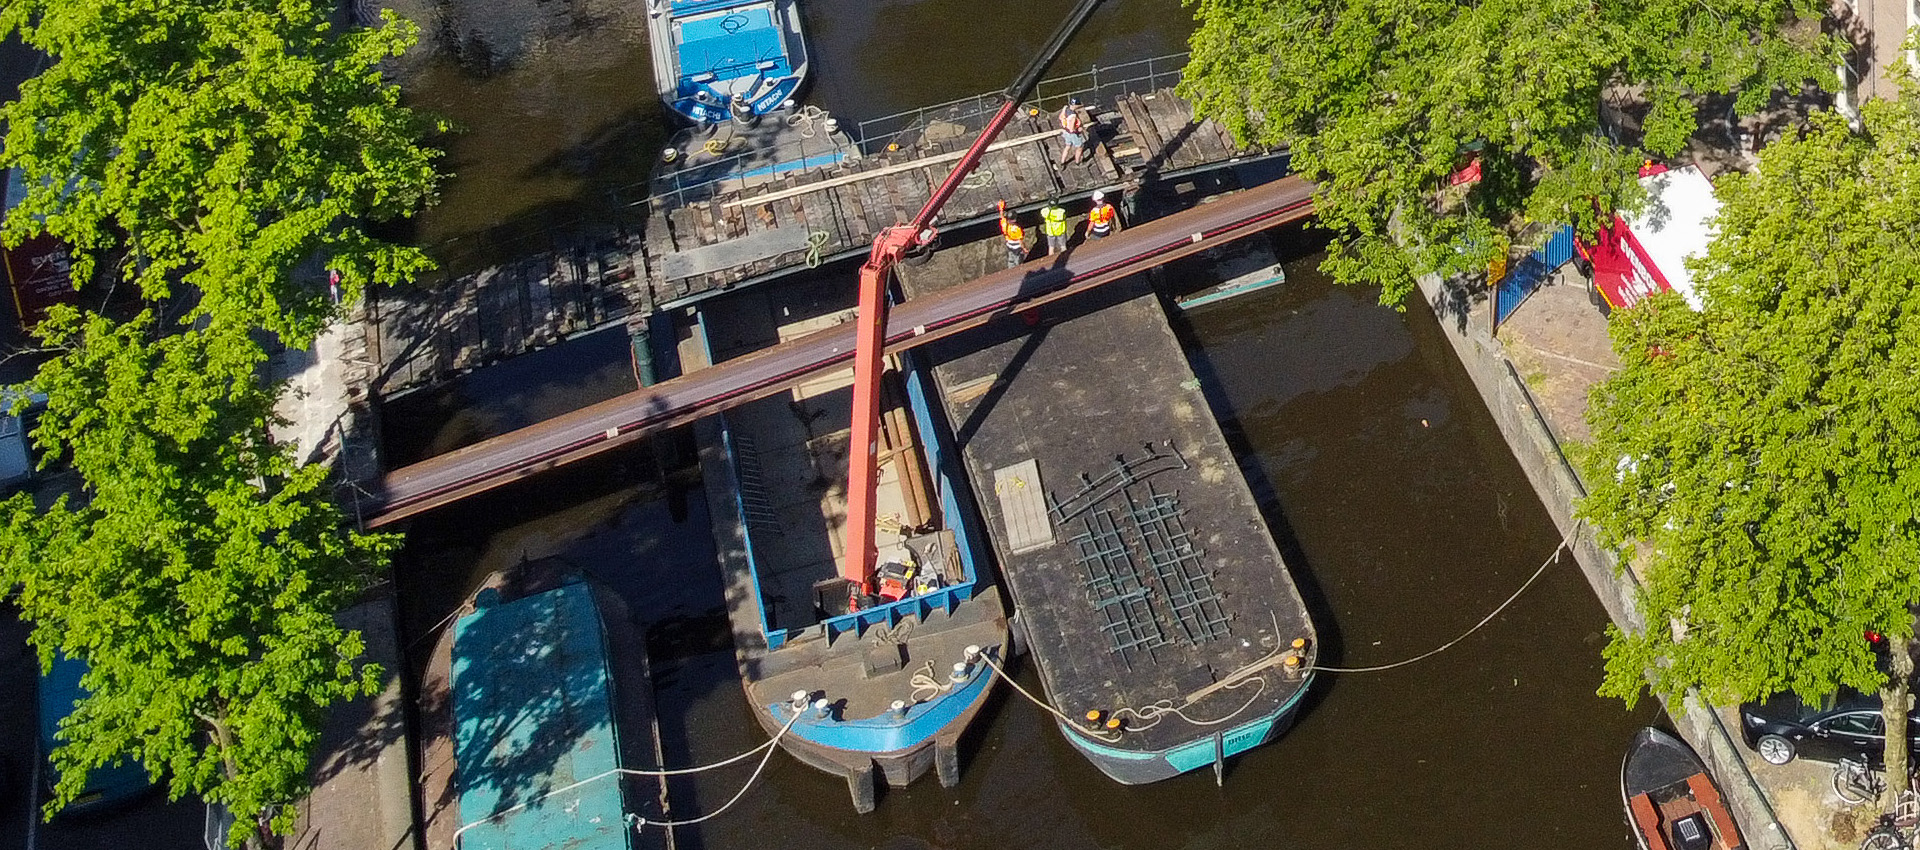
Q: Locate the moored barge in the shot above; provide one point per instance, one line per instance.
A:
(1167, 632)
(872, 688)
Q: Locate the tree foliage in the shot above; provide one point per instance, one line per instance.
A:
(1382, 100)
(215, 153)
(1766, 451)
(199, 579)
(220, 143)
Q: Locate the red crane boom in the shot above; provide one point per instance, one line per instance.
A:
(893, 243)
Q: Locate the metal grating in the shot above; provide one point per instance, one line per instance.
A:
(1173, 597)
(1126, 472)
(1115, 588)
(1174, 562)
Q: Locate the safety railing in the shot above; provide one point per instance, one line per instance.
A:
(815, 147)
(1096, 85)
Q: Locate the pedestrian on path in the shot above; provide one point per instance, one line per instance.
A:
(1073, 133)
(1053, 223)
(1102, 219)
(1015, 237)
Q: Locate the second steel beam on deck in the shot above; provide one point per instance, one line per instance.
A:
(617, 421)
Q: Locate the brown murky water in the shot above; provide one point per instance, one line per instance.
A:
(1399, 509)
(1397, 505)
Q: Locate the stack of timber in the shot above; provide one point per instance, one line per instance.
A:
(437, 329)
(700, 244)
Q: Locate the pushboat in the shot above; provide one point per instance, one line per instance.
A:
(719, 59)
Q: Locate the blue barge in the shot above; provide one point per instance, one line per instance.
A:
(709, 55)
(884, 691)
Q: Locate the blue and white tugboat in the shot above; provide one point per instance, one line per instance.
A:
(719, 59)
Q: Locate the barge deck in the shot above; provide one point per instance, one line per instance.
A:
(884, 690)
(1154, 600)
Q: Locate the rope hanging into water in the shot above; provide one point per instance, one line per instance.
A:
(1565, 544)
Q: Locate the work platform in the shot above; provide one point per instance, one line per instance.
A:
(694, 236)
(726, 233)
(1147, 584)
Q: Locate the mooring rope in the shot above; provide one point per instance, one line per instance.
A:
(1564, 545)
(636, 821)
(805, 118)
(815, 241)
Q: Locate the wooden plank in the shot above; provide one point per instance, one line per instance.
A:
(1036, 168)
(885, 166)
(852, 200)
(703, 226)
(1179, 150)
(684, 229)
(1005, 163)
(1226, 138)
(878, 216)
(1139, 132)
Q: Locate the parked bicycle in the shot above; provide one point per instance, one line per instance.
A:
(1857, 782)
(1896, 830)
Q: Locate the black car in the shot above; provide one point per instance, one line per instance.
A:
(1848, 725)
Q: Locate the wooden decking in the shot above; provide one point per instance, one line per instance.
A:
(845, 206)
(709, 239)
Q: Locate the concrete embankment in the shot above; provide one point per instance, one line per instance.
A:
(1525, 426)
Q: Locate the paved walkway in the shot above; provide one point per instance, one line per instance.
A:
(1557, 342)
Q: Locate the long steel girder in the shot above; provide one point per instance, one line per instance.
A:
(617, 421)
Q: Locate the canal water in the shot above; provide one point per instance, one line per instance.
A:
(557, 123)
(1396, 504)
(1400, 510)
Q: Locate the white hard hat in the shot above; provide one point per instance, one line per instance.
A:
(1099, 195)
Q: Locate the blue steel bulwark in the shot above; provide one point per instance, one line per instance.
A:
(617, 421)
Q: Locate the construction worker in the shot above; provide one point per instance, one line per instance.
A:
(1073, 133)
(1053, 223)
(1015, 237)
(1102, 219)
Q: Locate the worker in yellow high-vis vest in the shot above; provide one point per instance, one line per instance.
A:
(1053, 223)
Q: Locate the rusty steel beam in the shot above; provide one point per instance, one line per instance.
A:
(618, 421)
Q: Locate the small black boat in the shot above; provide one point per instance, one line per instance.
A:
(1672, 804)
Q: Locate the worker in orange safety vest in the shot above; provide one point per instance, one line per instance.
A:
(1102, 219)
(1015, 237)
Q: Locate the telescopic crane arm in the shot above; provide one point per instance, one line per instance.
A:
(893, 243)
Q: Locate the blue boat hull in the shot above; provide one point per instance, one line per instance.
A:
(708, 52)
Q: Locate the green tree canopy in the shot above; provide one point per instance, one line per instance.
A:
(1766, 451)
(199, 580)
(1382, 100)
(220, 143)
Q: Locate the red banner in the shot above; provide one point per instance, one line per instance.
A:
(41, 272)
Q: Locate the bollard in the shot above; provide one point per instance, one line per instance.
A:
(899, 708)
(798, 702)
(741, 111)
(821, 708)
(959, 673)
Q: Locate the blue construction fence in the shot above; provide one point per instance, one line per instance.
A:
(1530, 273)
